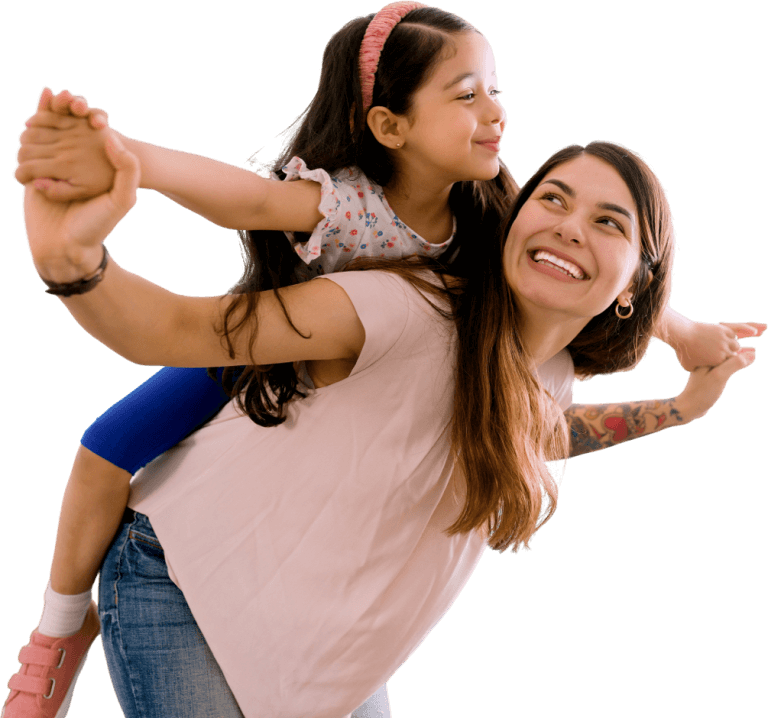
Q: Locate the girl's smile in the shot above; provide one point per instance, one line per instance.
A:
(454, 127)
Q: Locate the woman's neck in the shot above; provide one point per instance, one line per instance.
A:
(545, 332)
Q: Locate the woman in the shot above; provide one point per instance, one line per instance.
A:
(590, 234)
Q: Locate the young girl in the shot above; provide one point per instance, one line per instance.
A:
(441, 180)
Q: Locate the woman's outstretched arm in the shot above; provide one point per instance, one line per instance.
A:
(150, 325)
(598, 426)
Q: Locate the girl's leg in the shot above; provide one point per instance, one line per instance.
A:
(94, 502)
(159, 661)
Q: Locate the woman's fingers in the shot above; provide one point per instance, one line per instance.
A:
(98, 119)
(127, 172)
(706, 384)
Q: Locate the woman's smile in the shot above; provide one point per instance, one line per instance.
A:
(552, 270)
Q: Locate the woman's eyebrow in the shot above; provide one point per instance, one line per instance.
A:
(602, 205)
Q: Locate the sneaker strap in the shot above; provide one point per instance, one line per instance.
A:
(41, 656)
(30, 684)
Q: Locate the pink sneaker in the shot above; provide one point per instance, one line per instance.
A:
(49, 668)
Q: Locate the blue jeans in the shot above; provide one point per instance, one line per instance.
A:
(159, 661)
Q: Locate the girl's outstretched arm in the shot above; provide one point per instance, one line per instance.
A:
(63, 152)
(598, 426)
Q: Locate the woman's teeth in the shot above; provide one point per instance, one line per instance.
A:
(563, 265)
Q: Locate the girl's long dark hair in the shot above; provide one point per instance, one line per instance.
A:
(332, 134)
(505, 427)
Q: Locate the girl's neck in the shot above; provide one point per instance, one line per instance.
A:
(423, 208)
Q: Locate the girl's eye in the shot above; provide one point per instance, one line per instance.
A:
(468, 96)
(495, 93)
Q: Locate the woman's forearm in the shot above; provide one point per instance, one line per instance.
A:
(228, 196)
(598, 426)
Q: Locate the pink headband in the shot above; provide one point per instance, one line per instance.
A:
(375, 36)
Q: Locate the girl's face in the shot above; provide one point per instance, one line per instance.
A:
(456, 120)
(575, 245)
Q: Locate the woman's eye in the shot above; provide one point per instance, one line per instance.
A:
(554, 198)
(610, 221)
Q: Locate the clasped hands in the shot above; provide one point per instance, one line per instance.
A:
(80, 182)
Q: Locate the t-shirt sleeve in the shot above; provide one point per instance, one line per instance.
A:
(557, 376)
(157, 415)
(382, 301)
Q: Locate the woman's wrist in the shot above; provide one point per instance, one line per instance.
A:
(82, 285)
(683, 409)
(73, 265)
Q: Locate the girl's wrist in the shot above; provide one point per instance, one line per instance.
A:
(138, 148)
(676, 328)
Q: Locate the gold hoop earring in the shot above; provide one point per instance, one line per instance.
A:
(628, 314)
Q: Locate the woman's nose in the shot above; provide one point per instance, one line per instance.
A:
(571, 230)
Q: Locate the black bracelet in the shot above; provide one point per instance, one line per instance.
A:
(81, 286)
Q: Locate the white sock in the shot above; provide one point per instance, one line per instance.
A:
(63, 615)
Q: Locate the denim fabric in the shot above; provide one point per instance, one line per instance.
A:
(157, 657)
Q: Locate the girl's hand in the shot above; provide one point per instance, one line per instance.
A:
(66, 238)
(709, 345)
(62, 149)
(706, 384)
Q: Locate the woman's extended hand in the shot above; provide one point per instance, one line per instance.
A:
(63, 149)
(706, 384)
(66, 238)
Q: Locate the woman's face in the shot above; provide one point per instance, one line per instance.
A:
(575, 245)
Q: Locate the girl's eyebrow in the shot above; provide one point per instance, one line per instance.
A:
(602, 205)
(463, 76)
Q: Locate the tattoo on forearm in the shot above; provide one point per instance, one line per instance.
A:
(597, 426)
